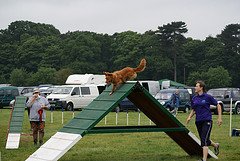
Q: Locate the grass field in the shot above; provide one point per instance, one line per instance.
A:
(145, 146)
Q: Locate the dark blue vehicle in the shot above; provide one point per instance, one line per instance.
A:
(7, 94)
(126, 105)
(164, 97)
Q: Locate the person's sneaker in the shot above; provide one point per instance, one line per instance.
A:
(216, 149)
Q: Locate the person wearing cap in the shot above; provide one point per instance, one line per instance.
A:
(37, 105)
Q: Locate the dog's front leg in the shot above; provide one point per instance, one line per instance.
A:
(113, 89)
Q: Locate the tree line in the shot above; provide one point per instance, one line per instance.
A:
(35, 53)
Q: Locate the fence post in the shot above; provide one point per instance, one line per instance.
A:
(230, 122)
(116, 117)
(51, 114)
(105, 120)
(73, 113)
(139, 117)
(127, 117)
(62, 114)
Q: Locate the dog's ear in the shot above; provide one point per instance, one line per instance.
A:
(107, 73)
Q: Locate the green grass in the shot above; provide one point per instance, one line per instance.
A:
(120, 146)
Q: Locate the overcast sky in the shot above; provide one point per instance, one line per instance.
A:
(203, 17)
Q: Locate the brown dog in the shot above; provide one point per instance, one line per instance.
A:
(121, 76)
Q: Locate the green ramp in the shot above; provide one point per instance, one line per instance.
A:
(85, 122)
(15, 123)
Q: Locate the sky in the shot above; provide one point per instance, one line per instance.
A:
(203, 17)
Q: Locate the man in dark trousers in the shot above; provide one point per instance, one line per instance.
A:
(175, 101)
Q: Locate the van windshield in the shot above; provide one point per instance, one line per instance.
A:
(163, 96)
(62, 90)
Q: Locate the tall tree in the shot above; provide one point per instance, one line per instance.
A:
(213, 77)
(171, 37)
(214, 53)
(126, 49)
(8, 58)
(193, 50)
(80, 51)
(62, 75)
(43, 76)
(18, 77)
(218, 77)
(159, 66)
(18, 28)
(230, 38)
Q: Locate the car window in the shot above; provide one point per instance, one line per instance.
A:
(8, 92)
(228, 94)
(62, 90)
(85, 90)
(15, 92)
(184, 95)
(163, 96)
(236, 93)
(1, 92)
(76, 91)
(26, 90)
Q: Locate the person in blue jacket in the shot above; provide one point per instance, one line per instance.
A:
(201, 107)
(175, 101)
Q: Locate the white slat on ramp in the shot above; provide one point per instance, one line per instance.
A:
(13, 141)
(199, 142)
(55, 147)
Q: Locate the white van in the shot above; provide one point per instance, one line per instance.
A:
(151, 86)
(74, 96)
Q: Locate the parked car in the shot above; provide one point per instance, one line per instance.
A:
(7, 94)
(223, 96)
(126, 105)
(25, 90)
(74, 96)
(164, 97)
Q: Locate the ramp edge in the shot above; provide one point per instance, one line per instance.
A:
(13, 141)
(199, 142)
(55, 147)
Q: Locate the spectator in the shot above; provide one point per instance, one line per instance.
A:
(37, 105)
(175, 101)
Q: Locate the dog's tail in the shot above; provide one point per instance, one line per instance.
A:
(141, 66)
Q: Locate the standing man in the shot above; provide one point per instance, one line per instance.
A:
(175, 101)
(201, 107)
(37, 105)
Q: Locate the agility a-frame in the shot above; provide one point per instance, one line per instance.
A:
(85, 122)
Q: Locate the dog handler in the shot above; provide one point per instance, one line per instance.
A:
(37, 104)
(201, 107)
